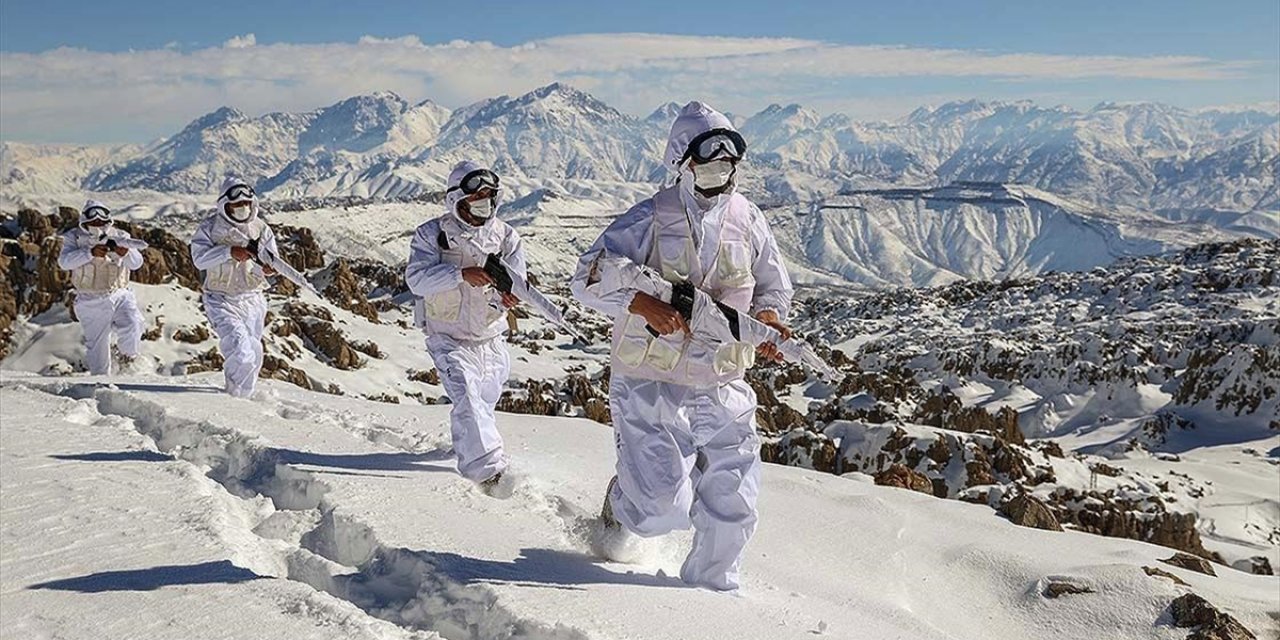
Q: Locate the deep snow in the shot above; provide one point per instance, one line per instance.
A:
(360, 500)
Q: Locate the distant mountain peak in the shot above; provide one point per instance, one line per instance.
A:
(555, 97)
(214, 118)
(664, 114)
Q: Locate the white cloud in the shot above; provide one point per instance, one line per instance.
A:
(241, 42)
(139, 94)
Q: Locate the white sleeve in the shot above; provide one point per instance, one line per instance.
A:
(426, 274)
(132, 259)
(268, 241)
(206, 253)
(513, 254)
(72, 255)
(773, 285)
(624, 238)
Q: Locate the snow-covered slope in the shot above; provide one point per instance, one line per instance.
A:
(52, 168)
(985, 231)
(334, 515)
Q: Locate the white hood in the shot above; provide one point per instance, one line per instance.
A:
(695, 119)
(232, 181)
(453, 197)
(90, 204)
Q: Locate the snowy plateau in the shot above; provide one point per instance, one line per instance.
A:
(1058, 414)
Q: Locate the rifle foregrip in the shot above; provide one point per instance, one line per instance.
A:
(501, 279)
(682, 295)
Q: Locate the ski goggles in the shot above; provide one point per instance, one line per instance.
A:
(97, 213)
(477, 180)
(238, 193)
(716, 143)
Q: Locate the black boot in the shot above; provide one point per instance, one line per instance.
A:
(606, 511)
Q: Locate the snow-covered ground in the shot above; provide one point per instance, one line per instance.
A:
(157, 507)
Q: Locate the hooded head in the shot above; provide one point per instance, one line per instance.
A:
(238, 203)
(455, 194)
(714, 177)
(94, 211)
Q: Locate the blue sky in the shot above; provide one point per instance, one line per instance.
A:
(150, 66)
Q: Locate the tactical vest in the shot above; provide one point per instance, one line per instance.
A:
(722, 267)
(234, 277)
(99, 275)
(463, 312)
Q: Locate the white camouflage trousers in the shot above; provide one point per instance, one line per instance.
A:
(101, 314)
(688, 456)
(238, 320)
(473, 374)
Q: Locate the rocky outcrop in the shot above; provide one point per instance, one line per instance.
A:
(1058, 588)
(275, 368)
(316, 328)
(344, 290)
(944, 410)
(591, 395)
(538, 398)
(192, 335)
(30, 280)
(1119, 516)
(900, 476)
(1190, 563)
(167, 258)
(576, 395)
(209, 360)
(377, 280)
(1156, 572)
(800, 448)
(1208, 623)
(1027, 511)
(298, 247)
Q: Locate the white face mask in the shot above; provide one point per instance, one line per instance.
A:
(712, 175)
(241, 213)
(481, 209)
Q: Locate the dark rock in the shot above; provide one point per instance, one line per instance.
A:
(279, 369)
(167, 258)
(1028, 511)
(898, 475)
(193, 335)
(1050, 448)
(298, 247)
(1193, 611)
(1161, 573)
(1105, 470)
(1057, 589)
(369, 348)
(209, 360)
(345, 291)
(537, 399)
(156, 331)
(801, 448)
(1190, 563)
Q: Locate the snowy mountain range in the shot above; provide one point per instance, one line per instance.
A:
(1147, 156)
(1120, 179)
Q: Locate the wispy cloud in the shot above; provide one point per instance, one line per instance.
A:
(75, 94)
